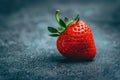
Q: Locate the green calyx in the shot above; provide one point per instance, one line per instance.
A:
(63, 24)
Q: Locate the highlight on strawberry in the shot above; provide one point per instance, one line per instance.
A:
(75, 38)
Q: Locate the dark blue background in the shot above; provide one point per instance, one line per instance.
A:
(28, 53)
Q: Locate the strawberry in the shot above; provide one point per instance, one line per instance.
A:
(75, 39)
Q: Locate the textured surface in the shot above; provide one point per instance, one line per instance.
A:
(28, 53)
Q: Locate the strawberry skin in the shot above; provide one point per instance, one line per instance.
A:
(77, 41)
(75, 38)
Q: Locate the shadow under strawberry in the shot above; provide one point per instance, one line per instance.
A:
(69, 60)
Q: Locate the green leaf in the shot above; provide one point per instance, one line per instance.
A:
(54, 35)
(77, 17)
(70, 22)
(62, 23)
(66, 19)
(61, 28)
(52, 30)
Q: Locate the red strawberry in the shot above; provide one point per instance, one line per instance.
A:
(75, 38)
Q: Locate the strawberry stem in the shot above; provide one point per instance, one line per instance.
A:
(57, 16)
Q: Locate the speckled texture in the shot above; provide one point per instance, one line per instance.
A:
(28, 53)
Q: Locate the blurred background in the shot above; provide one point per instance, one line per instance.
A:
(28, 53)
